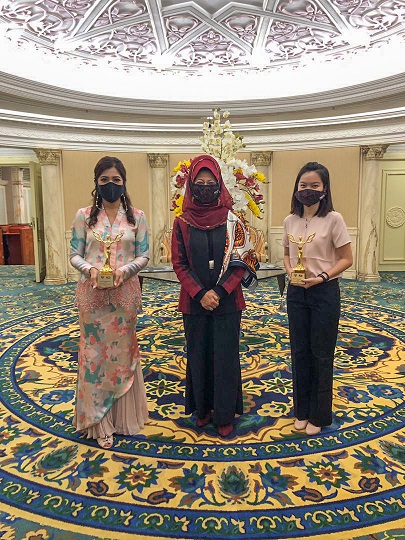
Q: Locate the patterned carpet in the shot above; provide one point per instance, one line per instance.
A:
(176, 481)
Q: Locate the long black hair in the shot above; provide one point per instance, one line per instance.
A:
(325, 204)
(103, 164)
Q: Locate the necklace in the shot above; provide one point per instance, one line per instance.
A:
(307, 222)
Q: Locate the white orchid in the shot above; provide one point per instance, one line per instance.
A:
(241, 179)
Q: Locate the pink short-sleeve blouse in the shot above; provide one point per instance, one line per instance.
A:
(319, 255)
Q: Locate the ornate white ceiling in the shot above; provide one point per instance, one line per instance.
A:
(206, 50)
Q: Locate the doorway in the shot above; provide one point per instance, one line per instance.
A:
(22, 239)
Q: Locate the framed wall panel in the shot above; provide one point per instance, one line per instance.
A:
(392, 221)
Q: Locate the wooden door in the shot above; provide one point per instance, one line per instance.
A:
(27, 245)
(38, 221)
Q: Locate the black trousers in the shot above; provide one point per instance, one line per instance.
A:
(313, 316)
(213, 377)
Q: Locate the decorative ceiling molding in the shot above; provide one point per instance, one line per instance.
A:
(259, 48)
(45, 121)
(11, 85)
(31, 136)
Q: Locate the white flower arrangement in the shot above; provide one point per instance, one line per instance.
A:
(219, 140)
(241, 179)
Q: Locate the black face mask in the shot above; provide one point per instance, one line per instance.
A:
(205, 194)
(110, 192)
(308, 197)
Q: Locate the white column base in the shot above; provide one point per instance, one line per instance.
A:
(55, 281)
(370, 278)
(349, 274)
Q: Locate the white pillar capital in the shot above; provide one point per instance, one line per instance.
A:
(48, 157)
(17, 175)
(158, 161)
(261, 159)
(375, 151)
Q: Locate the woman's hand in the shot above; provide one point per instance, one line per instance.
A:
(210, 300)
(309, 282)
(118, 278)
(287, 262)
(93, 277)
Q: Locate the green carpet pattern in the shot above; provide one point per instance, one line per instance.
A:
(173, 480)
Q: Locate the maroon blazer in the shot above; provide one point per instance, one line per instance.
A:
(191, 250)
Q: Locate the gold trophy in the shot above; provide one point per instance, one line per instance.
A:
(105, 276)
(298, 273)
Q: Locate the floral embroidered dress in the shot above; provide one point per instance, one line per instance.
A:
(111, 394)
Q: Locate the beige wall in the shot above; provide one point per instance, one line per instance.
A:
(344, 168)
(77, 170)
(343, 164)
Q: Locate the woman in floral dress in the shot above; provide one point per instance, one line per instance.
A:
(110, 394)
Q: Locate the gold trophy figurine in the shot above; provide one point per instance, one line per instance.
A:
(105, 276)
(298, 273)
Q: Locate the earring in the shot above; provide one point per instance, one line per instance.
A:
(124, 203)
(219, 201)
(99, 202)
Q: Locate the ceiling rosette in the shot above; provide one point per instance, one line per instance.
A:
(190, 39)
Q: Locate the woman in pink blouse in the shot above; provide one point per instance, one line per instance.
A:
(110, 395)
(314, 306)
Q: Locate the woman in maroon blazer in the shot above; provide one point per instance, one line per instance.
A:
(212, 254)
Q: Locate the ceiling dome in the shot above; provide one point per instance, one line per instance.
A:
(212, 50)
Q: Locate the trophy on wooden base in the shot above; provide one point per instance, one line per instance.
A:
(298, 274)
(105, 278)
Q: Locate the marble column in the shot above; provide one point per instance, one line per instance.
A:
(18, 195)
(369, 212)
(262, 162)
(160, 202)
(54, 223)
